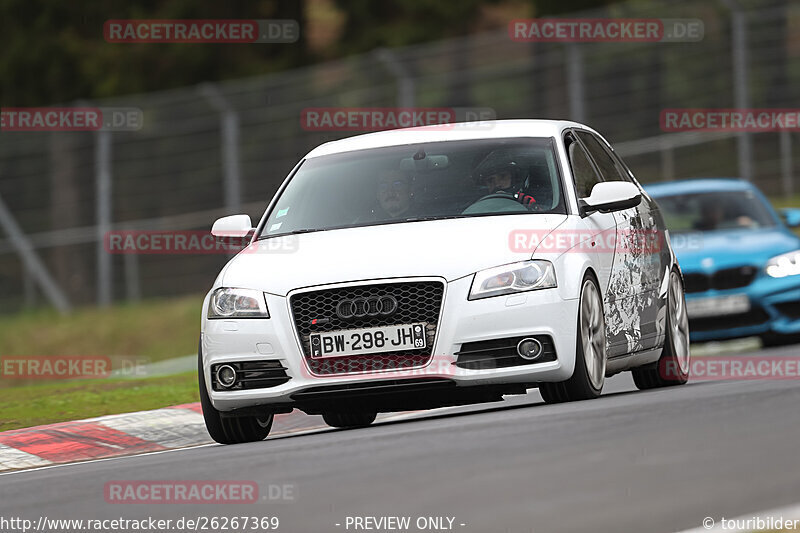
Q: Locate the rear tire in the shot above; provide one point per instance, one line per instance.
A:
(589, 375)
(672, 367)
(349, 420)
(230, 430)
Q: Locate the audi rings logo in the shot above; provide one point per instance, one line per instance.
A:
(370, 306)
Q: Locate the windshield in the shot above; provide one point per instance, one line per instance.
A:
(715, 211)
(419, 182)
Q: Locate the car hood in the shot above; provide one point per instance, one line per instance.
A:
(446, 248)
(710, 251)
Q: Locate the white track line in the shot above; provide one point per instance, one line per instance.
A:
(292, 432)
(11, 457)
(79, 463)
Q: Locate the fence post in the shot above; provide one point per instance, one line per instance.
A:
(102, 168)
(577, 106)
(229, 131)
(741, 90)
(405, 83)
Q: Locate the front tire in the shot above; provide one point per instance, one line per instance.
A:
(589, 375)
(230, 430)
(672, 367)
(349, 420)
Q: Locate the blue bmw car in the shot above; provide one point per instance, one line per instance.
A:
(740, 260)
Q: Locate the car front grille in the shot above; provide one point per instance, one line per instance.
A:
(696, 282)
(728, 278)
(789, 309)
(361, 390)
(733, 278)
(316, 312)
(755, 317)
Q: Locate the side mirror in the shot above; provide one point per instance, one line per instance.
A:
(609, 196)
(791, 216)
(232, 226)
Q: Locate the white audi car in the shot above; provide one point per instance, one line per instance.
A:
(439, 266)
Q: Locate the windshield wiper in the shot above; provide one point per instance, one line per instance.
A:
(299, 231)
(419, 219)
(295, 232)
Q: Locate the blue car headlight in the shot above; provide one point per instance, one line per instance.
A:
(784, 265)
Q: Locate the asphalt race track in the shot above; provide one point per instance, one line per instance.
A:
(629, 461)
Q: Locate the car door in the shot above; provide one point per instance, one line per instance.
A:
(638, 266)
(597, 226)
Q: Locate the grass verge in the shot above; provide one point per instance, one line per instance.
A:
(154, 330)
(47, 403)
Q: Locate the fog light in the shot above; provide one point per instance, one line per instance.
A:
(226, 376)
(529, 349)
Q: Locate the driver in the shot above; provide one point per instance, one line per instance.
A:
(394, 193)
(500, 181)
(500, 174)
(711, 215)
(714, 216)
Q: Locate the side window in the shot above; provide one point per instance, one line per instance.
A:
(582, 170)
(605, 162)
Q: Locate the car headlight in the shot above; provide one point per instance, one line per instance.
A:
(513, 278)
(237, 303)
(784, 265)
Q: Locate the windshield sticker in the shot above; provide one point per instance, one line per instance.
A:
(282, 212)
(275, 226)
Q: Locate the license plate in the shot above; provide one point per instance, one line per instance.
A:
(717, 306)
(368, 340)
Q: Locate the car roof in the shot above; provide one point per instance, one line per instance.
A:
(495, 129)
(699, 185)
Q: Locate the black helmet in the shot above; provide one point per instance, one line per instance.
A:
(496, 162)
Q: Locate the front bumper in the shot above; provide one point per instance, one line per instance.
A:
(775, 308)
(542, 312)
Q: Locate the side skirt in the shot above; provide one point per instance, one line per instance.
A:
(632, 360)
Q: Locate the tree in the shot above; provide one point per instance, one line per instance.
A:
(55, 52)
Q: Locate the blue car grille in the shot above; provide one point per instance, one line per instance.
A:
(755, 317)
(728, 278)
(789, 309)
